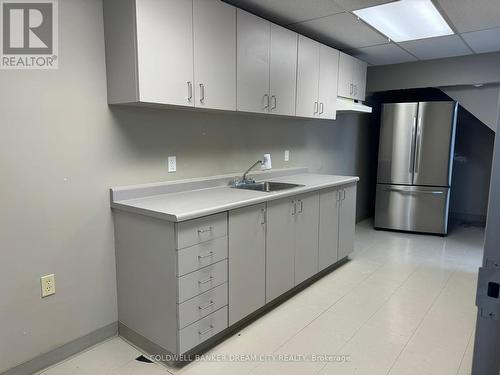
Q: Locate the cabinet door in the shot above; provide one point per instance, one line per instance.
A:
(214, 54)
(328, 76)
(253, 39)
(280, 247)
(329, 207)
(346, 70)
(306, 237)
(165, 51)
(347, 220)
(283, 71)
(360, 80)
(247, 261)
(307, 77)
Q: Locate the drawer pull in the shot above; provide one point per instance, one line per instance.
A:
(211, 328)
(206, 306)
(200, 231)
(206, 281)
(208, 255)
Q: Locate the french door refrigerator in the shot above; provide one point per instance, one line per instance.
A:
(414, 166)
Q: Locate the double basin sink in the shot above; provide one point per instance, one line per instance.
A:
(265, 186)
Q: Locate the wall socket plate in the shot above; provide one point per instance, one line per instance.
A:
(172, 164)
(287, 155)
(48, 283)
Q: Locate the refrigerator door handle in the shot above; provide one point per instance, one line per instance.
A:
(412, 147)
(417, 144)
(436, 192)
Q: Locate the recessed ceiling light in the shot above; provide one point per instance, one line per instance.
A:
(405, 20)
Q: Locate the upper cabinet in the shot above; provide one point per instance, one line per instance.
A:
(352, 77)
(214, 54)
(208, 54)
(175, 52)
(317, 73)
(266, 66)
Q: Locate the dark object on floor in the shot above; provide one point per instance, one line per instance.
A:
(141, 358)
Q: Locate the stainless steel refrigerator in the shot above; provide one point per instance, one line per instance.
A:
(414, 166)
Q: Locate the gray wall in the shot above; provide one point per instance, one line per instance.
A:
(61, 148)
(471, 169)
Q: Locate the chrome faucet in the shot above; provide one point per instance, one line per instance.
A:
(244, 179)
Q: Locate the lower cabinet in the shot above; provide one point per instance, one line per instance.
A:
(329, 204)
(247, 261)
(337, 220)
(306, 236)
(280, 247)
(292, 242)
(347, 220)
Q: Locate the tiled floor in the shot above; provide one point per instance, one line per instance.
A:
(404, 305)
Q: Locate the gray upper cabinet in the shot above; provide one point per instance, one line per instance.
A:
(252, 63)
(317, 77)
(352, 77)
(267, 61)
(347, 220)
(306, 236)
(214, 54)
(329, 203)
(247, 261)
(280, 247)
(173, 52)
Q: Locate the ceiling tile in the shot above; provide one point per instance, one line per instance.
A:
(341, 30)
(289, 11)
(383, 54)
(469, 15)
(436, 48)
(484, 41)
(360, 4)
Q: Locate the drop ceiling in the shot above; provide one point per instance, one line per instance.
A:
(476, 24)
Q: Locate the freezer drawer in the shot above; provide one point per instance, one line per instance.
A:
(412, 208)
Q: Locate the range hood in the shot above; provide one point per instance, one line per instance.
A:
(350, 105)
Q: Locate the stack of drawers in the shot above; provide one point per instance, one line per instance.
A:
(202, 297)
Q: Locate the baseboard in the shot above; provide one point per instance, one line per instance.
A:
(468, 218)
(61, 353)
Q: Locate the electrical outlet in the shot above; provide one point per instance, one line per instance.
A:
(287, 155)
(172, 164)
(48, 283)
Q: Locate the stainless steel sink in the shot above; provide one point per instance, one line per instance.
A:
(266, 186)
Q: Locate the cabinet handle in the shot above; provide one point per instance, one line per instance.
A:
(210, 304)
(266, 101)
(202, 93)
(274, 101)
(208, 255)
(264, 216)
(200, 231)
(320, 108)
(355, 90)
(301, 207)
(190, 91)
(343, 195)
(338, 196)
(207, 330)
(206, 280)
(315, 107)
(351, 88)
(294, 212)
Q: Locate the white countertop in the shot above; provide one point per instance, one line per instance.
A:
(189, 204)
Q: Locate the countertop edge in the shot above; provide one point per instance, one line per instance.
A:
(248, 202)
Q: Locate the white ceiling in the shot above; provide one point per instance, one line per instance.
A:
(476, 24)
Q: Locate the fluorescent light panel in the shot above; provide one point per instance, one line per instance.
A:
(405, 20)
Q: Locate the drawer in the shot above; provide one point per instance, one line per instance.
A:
(198, 256)
(202, 330)
(196, 231)
(200, 306)
(200, 281)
